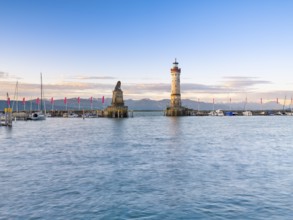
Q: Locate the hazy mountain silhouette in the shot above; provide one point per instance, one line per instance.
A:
(143, 104)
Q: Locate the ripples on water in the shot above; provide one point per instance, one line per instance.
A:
(148, 168)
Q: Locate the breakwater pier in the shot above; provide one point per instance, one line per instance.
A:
(24, 115)
(191, 112)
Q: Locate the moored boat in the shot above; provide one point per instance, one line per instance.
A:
(37, 116)
(247, 113)
(216, 113)
(40, 115)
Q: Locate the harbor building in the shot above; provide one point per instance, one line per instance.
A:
(117, 108)
(175, 108)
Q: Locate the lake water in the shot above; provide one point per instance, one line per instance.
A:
(151, 167)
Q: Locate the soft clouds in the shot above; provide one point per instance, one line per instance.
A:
(3, 75)
(93, 77)
(243, 82)
(140, 88)
(234, 86)
(200, 88)
(7, 76)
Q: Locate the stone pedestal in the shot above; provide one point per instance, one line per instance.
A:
(117, 98)
(117, 108)
(116, 112)
(177, 111)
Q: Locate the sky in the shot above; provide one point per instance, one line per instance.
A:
(225, 48)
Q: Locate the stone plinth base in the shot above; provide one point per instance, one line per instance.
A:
(116, 112)
(117, 98)
(177, 111)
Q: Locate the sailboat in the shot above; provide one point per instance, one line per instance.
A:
(246, 112)
(290, 113)
(218, 112)
(40, 115)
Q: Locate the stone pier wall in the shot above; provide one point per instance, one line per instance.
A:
(177, 111)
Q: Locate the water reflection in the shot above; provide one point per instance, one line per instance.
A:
(6, 131)
(175, 126)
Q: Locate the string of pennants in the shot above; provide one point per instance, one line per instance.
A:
(52, 101)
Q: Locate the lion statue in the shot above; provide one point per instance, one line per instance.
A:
(118, 86)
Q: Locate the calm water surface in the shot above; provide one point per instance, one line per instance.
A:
(151, 167)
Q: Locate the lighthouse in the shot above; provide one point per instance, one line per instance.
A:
(175, 108)
(175, 86)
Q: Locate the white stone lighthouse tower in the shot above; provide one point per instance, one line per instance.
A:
(175, 86)
(175, 108)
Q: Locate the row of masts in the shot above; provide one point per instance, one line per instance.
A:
(246, 102)
(16, 96)
(42, 104)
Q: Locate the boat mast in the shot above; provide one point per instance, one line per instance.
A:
(41, 91)
(284, 103)
(16, 96)
(31, 108)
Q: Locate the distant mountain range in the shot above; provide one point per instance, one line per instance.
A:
(143, 104)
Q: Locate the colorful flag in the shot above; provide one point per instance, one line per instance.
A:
(38, 101)
(52, 100)
(65, 100)
(78, 100)
(103, 99)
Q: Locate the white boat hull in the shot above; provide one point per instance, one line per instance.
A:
(216, 113)
(247, 113)
(37, 116)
